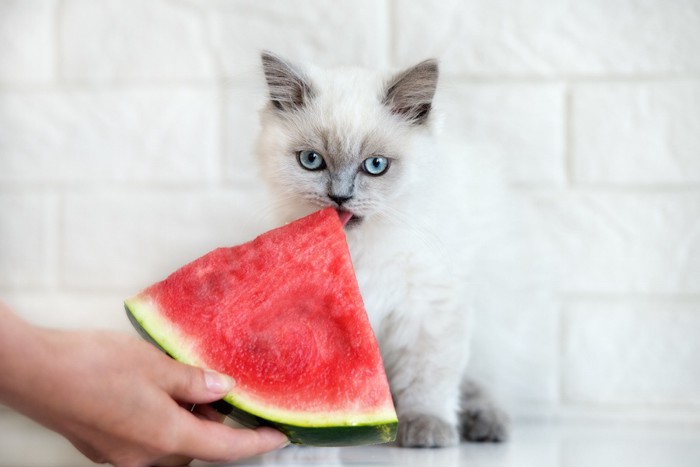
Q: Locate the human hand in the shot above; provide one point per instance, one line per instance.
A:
(117, 399)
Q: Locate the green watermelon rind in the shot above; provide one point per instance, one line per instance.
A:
(309, 429)
(332, 435)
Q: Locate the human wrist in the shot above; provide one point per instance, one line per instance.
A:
(21, 346)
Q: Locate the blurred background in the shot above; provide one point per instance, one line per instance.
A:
(126, 137)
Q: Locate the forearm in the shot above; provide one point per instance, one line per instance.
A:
(21, 347)
(116, 397)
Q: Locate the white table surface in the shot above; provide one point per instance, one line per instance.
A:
(533, 444)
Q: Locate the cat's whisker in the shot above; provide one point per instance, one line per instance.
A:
(418, 230)
(276, 205)
(288, 199)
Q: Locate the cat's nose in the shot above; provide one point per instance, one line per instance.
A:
(339, 200)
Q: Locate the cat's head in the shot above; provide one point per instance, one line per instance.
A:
(347, 138)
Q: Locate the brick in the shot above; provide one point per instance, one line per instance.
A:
(632, 353)
(515, 343)
(522, 125)
(131, 40)
(636, 133)
(25, 259)
(72, 311)
(26, 41)
(126, 241)
(618, 242)
(241, 123)
(168, 134)
(315, 31)
(549, 37)
(514, 346)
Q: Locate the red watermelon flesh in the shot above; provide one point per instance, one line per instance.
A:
(283, 316)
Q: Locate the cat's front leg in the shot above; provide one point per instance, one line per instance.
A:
(424, 372)
(421, 430)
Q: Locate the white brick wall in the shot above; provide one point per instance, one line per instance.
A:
(25, 231)
(520, 123)
(112, 41)
(127, 126)
(26, 41)
(642, 133)
(552, 37)
(125, 240)
(621, 242)
(147, 134)
(631, 353)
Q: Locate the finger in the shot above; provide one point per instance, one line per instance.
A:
(216, 442)
(173, 461)
(204, 412)
(187, 383)
(207, 412)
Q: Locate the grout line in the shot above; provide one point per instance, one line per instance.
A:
(64, 85)
(222, 123)
(116, 187)
(569, 142)
(60, 244)
(69, 293)
(158, 83)
(57, 56)
(593, 409)
(391, 55)
(71, 84)
(637, 188)
(584, 412)
(562, 335)
(497, 78)
(220, 94)
(607, 188)
(164, 186)
(53, 240)
(654, 298)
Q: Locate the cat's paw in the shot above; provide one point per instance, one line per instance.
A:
(485, 423)
(426, 431)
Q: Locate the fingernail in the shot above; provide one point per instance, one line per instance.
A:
(283, 441)
(284, 444)
(216, 382)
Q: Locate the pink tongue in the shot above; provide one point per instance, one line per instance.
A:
(344, 217)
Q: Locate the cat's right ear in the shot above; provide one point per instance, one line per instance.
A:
(289, 89)
(410, 93)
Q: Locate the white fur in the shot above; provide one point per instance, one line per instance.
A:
(418, 249)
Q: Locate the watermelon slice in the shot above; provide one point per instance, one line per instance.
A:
(283, 316)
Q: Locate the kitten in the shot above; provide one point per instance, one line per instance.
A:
(365, 143)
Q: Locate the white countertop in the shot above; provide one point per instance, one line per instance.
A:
(536, 444)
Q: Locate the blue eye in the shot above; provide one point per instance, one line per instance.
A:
(376, 165)
(311, 160)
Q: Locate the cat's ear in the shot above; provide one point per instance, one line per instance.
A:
(410, 93)
(288, 87)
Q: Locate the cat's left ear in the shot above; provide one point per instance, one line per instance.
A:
(410, 93)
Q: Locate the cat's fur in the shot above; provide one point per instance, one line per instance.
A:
(416, 233)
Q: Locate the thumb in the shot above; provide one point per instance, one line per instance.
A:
(187, 383)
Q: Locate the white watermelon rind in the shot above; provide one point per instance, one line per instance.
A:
(338, 427)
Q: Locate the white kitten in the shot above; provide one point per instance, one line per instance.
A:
(365, 143)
